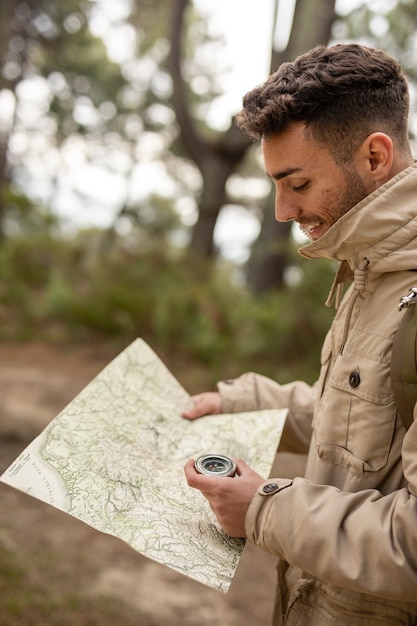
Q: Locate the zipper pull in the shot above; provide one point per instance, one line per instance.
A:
(410, 298)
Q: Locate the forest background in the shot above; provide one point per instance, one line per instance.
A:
(105, 111)
(117, 186)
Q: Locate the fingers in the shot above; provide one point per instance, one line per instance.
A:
(243, 470)
(207, 403)
(190, 472)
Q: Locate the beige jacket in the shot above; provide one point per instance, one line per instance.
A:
(348, 529)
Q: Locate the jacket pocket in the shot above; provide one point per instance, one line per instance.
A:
(357, 414)
(316, 604)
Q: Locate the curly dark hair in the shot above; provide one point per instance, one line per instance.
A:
(343, 93)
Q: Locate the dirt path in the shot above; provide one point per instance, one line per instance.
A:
(36, 382)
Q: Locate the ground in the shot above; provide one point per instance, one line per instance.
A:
(55, 556)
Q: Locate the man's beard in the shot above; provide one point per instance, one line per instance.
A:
(354, 192)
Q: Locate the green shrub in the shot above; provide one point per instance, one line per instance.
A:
(180, 304)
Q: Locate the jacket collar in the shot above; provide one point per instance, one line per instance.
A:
(379, 234)
(379, 225)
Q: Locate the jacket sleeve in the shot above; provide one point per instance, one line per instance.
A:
(251, 392)
(364, 541)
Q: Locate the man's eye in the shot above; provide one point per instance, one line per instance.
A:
(301, 187)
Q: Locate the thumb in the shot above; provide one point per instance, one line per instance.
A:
(243, 469)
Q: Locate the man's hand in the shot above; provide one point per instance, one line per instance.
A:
(207, 403)
(229, 498)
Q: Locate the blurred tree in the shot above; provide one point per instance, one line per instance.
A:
(390, 25)
(312, 25)
(120, 88)
(64, 103)
(216, 157)
(7, 82)
(48, 47)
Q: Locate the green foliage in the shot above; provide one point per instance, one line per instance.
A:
(23, 215)
(390, 26)
(182, 305)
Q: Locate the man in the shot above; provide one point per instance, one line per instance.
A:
(333, 131)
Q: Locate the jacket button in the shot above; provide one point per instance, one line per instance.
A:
(270, 488)
(354, 379)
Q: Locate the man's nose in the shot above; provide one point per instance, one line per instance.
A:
(285, 209)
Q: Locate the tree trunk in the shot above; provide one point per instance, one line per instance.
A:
(269, 258)
(9, 28)
(6, 31)
(217, 162)
(216, 158)
(312, 25)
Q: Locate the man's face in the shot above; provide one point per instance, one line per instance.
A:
(311, 188)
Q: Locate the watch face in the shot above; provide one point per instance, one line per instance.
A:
(215, 465)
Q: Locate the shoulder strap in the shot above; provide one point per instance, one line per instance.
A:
(404, 359)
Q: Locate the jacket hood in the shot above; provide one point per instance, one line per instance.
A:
(381, 228)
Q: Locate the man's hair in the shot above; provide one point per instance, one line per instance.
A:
(342, 93)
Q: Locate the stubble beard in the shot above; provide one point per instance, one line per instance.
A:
(355, 191)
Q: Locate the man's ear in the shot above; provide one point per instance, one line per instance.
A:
(377, 152)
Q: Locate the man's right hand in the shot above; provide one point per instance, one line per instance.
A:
(207, 403)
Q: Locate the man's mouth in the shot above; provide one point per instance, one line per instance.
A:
(311, 230)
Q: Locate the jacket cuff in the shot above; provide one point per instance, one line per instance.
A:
(238, 394)
(261, 503)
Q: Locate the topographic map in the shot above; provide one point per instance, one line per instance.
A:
(114, 459)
